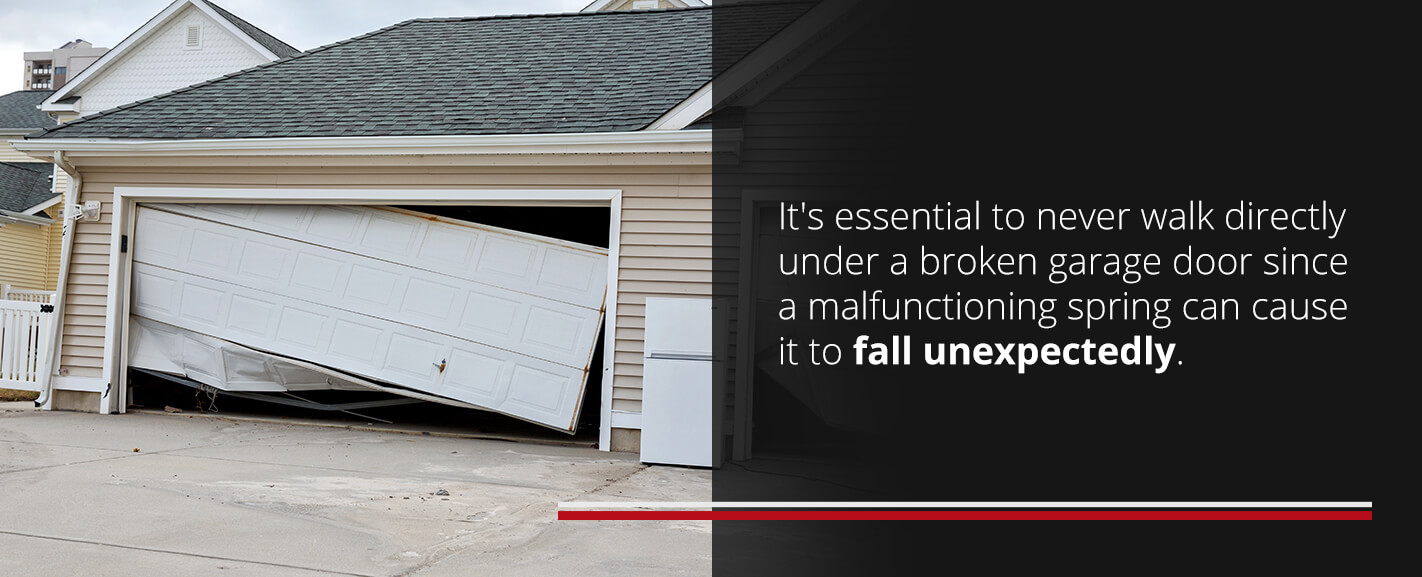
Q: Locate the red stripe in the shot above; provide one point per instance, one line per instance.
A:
(1010, 515)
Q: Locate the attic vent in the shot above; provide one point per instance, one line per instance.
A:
(644, 4)
(194, 37)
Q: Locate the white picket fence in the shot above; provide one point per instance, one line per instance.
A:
(24, 343)
(26, 296)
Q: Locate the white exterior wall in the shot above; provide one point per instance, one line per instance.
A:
(162, 64)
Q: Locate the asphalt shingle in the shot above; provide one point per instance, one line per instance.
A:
(560, 73)
(19, 110)
(24, 185)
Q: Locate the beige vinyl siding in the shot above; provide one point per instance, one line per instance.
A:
(665, 241)
(25, 248)
(22, 250)
(8, 153)
(26, 261)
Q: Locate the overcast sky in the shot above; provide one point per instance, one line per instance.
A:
(34, 25)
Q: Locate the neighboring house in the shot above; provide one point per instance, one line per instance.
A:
(615, 5)
(190, 41)
(526, 113)
(49, 70)
(30, 210)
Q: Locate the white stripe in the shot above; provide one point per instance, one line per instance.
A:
(969, 505)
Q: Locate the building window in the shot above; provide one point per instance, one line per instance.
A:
(61, 70)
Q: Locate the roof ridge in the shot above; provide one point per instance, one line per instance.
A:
(609, 14)
(561, 14)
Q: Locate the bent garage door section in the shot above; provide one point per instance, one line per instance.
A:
(495, 318)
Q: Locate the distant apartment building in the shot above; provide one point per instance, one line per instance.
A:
(49, 70)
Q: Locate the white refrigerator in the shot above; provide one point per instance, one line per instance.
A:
(678, 383)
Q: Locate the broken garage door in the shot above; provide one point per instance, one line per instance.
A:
(495, 318)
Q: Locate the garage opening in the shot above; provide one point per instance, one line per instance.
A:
(506, 301)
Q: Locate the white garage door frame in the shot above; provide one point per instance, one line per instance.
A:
(127, 199)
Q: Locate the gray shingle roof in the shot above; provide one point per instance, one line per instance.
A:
(24, 184)
(279, 48)
(18, 110)
(560, 73)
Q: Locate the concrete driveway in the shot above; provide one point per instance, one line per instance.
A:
(207, 496)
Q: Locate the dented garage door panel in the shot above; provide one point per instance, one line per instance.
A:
(222, 365)
(513, 343)
(531, 264)
(231, 367)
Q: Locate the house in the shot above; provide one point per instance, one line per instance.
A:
(30, 210)
(532, 117)
(188, 42)
(50, 69)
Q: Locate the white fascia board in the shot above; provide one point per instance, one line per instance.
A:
(25, 218)
(43, 205)
(48, 107)
(666, 141)
(686, 113)
(44, 156)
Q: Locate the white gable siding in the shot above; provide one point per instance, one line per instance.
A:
(161, 63)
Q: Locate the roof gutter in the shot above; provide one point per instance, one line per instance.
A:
(666, 141)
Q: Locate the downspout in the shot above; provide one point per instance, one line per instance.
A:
(61, 288)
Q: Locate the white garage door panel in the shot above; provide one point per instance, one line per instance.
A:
(232, 367)
(531, 264)
(216, 363)
(518, 385)
(501, 318)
